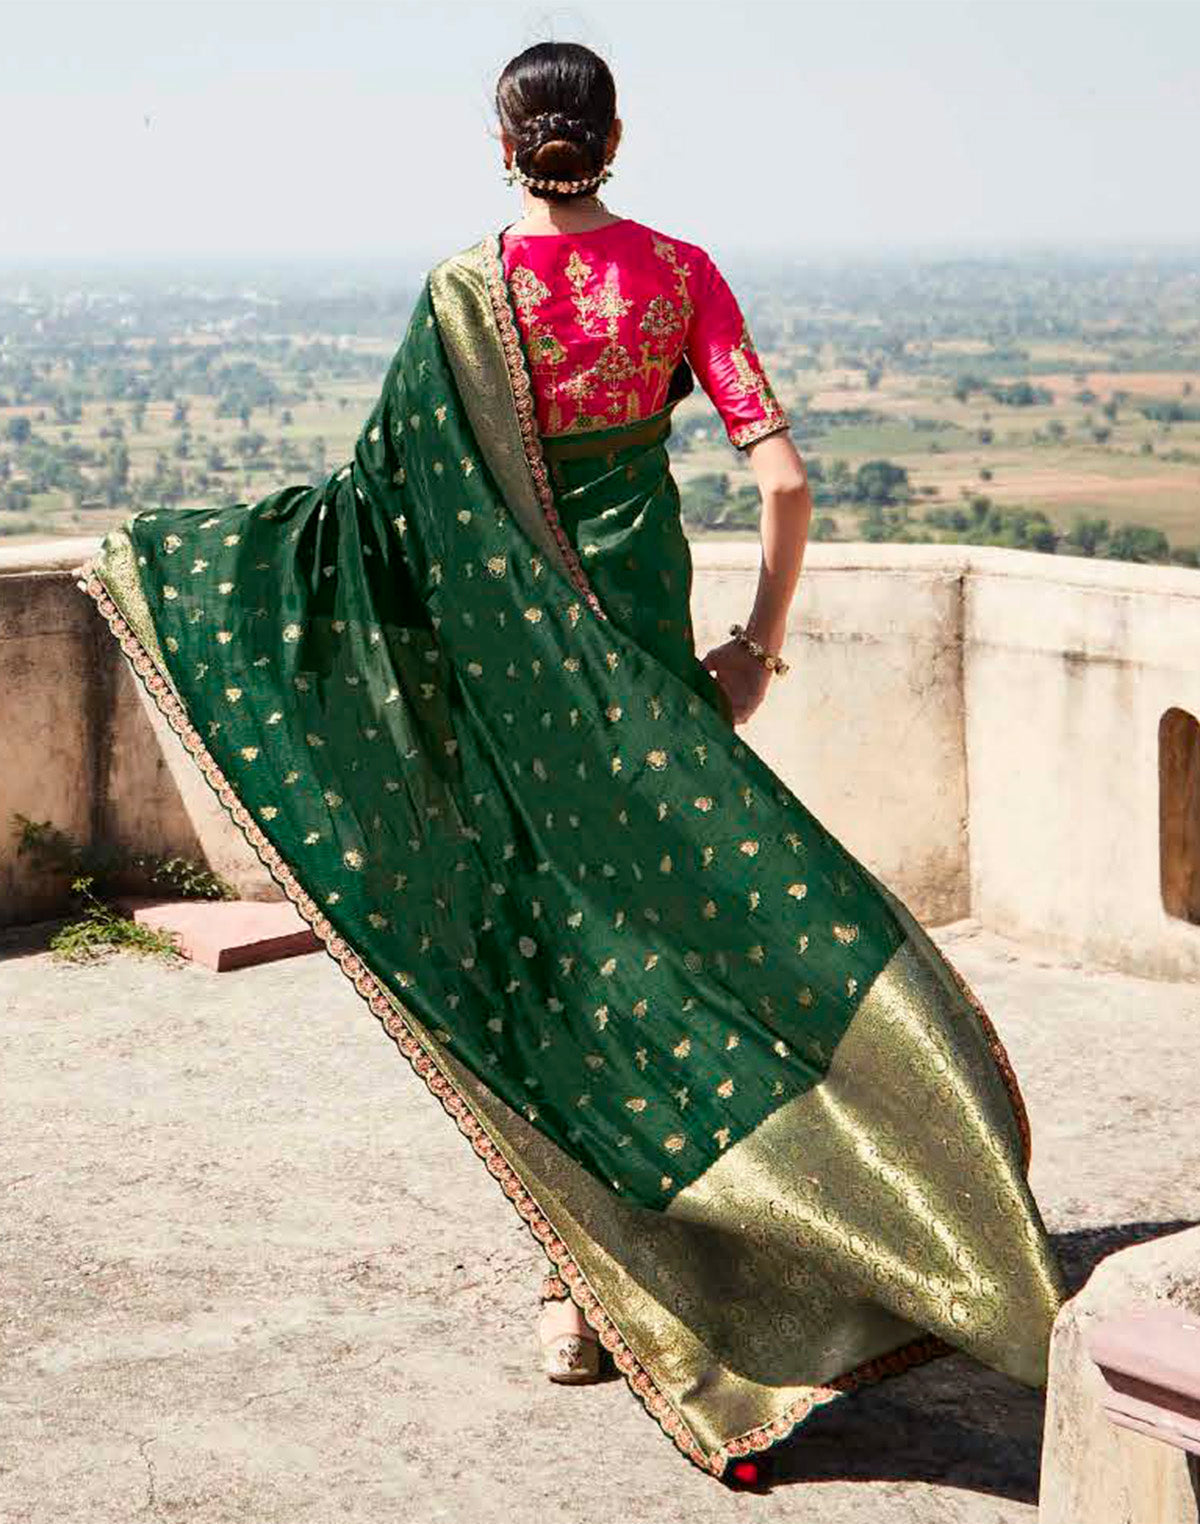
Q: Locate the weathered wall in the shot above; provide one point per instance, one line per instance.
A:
(979, 726)
(51, 698)
(82, 746)
(868, 726)
(1070, 666)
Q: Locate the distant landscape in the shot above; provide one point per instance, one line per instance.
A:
(1049, 402)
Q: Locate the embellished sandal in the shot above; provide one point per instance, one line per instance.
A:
(568, 1356)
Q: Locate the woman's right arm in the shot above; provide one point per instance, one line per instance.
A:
(729, 369)
(786, 513)
(784, 525)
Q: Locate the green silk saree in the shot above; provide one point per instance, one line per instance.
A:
(765, 1134)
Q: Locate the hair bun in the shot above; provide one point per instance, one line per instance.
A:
(560, 159)
(557, 103)
(560, 146)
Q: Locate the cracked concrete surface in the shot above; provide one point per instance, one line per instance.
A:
(249, 1271)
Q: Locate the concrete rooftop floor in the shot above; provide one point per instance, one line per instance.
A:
(250, 1271)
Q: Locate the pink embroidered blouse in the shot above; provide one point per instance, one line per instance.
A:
(607, 314)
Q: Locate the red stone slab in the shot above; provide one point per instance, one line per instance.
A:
(1149, 1362)
(226, 934)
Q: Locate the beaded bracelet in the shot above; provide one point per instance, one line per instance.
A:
(770, 659)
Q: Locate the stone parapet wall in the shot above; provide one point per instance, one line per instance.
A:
(979, 726)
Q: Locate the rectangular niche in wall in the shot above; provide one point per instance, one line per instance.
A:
(1179, 813)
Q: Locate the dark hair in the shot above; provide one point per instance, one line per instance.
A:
(557, 102)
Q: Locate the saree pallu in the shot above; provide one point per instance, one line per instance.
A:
(762, 1129)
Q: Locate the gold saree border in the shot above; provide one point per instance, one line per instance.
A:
(399, 1026)
(522, 389)
(466, 325)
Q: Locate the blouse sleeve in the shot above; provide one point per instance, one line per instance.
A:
(722, 355)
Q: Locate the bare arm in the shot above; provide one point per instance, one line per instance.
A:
(786, 515)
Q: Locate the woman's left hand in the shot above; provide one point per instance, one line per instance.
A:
(741, 674)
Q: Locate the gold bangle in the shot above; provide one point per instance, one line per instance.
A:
(769, 659)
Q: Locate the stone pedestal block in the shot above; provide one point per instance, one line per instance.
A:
(1094, 1472)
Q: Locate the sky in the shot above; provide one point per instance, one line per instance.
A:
(246, 128)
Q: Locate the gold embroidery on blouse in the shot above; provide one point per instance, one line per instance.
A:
(599, 311)
(746, 433)
(660, 318)
(528, 290)
(752, 382)
(668, 252)
(599, 315)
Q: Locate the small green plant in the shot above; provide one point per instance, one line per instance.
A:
(99, 930)
(98, 873)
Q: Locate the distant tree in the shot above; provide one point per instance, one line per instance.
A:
(706, 499)
(953, 519)
(965, 385)
(19, 430)
(250, 446)
(1138, 542)
(877, 482)
(1087, 537)
(114, 480)
(1171, 412)
(1021, 394)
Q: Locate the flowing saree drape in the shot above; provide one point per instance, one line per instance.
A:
(764, 1132)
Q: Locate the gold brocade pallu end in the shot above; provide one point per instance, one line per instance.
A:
(878, 1221)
